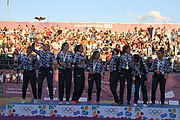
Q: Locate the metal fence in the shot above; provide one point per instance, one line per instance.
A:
(9, 64)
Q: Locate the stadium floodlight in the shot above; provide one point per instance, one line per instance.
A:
(7, 9)
(40, 18)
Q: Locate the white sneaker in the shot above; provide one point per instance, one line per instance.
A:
(67, 102)
(145, 105)
(61, 102)
(135, 105)
(35, 101)
(23, 101)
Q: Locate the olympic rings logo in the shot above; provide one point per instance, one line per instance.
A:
(68, 109)
(111, 110)
(26, 109)
(155, 111)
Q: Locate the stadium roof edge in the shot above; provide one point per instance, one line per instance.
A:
(89, 22)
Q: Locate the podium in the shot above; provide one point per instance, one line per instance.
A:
(93, 111)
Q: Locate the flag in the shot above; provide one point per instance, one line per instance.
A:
(7, 2)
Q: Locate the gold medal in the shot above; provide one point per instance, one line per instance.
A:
(133, 78)
(163, 73)
(139, 76)
(30, 57)
(59, 62)
(127, 67)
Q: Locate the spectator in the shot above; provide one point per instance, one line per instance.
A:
(150, 30)
(142, 41)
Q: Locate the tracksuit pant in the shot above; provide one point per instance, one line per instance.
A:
(139, 82)
(29, 75)
(125, 75)
(65, 81)
(158, 79)
(114, 78)
(97, 78)
(48, 73)
(79, 82)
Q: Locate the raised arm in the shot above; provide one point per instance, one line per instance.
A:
(35, 50)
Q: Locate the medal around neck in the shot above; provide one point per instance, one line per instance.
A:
(127, 67)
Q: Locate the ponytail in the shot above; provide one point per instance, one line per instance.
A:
(76, 49)
(63, 45)
(125, 47)
(93, 55)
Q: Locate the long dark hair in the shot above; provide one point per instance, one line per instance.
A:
(161, 50)
(93, 55)
(65, 43)
(76, 49)
(125, 47)
(118, 46)
(115, 50)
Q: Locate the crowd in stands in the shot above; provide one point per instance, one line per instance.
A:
(144, 42)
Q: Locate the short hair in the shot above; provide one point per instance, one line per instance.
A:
(93, 55)
(63, 45)
(125, 47)
(161, 50)
(115, 50)
(76, 49)
(136, 57)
